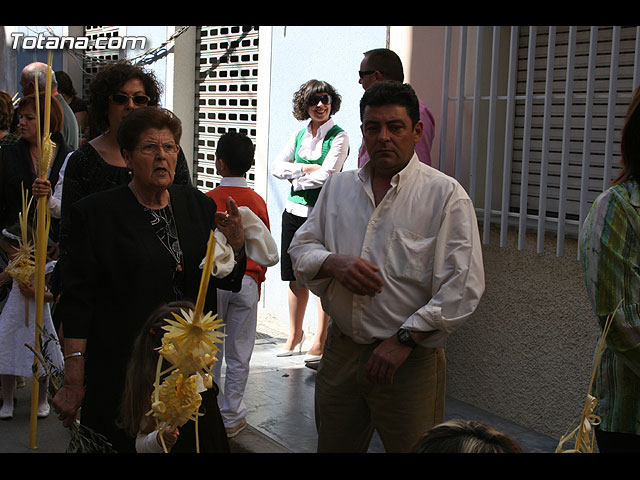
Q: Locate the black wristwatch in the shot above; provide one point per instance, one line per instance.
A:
(239, 253)
(405, 338)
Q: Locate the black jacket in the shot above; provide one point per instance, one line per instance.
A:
(117, 272)
(16, 169)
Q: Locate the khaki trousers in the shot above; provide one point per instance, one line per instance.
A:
(348, 408)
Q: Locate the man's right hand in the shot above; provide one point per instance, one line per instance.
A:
(356, 274)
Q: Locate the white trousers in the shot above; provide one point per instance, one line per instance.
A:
(239, 313)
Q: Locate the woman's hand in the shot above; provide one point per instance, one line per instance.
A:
(230, 224)
(170, 438)
(5, 278)
(41, 188)
(28, 291)
(310, 167)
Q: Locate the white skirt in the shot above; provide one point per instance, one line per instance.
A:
(16, 358)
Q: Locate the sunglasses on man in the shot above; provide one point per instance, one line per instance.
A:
(364, 73)
(123, 98)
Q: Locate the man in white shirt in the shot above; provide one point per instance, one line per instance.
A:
(393, 251)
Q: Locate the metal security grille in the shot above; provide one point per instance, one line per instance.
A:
(549, 102)
(94, 59)
(226, 98)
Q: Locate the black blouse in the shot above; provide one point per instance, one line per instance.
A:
(16, 169)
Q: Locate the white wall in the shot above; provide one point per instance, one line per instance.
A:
(298, 54)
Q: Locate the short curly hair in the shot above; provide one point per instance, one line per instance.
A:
(6, 110)
(306, 91)
(142, 119)
(108, 81)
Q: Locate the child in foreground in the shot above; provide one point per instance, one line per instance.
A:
(141, 374)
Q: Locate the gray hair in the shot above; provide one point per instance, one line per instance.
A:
(29, 75)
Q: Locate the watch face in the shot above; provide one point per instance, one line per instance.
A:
(405, 337)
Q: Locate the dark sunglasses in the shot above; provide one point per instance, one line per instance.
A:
(367, 72)
(122, 98)
(325, 99)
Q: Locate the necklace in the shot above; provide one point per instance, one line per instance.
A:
(166, 229)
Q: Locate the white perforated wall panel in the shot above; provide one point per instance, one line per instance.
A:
(226, 94)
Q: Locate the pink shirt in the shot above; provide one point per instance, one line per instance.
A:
(423, 147)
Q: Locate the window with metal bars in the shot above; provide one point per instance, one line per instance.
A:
(542, 119)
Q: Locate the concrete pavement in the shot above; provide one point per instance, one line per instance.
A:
(279, 400)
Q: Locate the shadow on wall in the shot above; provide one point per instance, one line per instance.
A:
(526, 354)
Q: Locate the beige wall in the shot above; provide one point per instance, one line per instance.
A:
(526, 353)
(422, 52)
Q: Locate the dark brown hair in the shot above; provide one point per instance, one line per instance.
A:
(6, 110)
(390, 92)
(110, 80)
(465, 436)
(387, 62)
(630, 143)
(306, 91)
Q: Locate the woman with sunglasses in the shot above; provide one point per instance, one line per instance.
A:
(311, 155)
(98, 165)
(134, 248)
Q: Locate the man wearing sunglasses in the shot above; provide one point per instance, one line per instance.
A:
(383, 64)
(70, 131)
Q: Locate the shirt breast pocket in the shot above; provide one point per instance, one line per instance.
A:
(410, 256)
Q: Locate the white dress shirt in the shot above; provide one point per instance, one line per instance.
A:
(55, 200)
(424, 238)
(285, 168)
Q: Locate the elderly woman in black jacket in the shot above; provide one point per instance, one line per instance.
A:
(132, 249)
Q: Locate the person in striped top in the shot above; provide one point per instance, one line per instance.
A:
(610, 252)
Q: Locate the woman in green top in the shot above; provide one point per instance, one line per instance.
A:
(311, 155)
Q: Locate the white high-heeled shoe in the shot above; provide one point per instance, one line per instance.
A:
(308, 358)
(288, 353)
